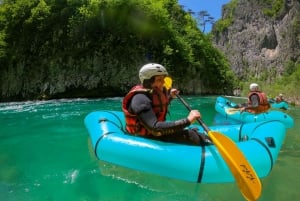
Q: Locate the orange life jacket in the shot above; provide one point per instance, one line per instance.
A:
(263, 102)
(160, 102)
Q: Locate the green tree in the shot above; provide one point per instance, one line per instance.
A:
(93, 48)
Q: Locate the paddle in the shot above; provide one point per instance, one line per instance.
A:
(232, 110)
(244, 174)
(237, 97)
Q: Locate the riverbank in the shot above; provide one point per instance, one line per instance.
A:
(293, 101)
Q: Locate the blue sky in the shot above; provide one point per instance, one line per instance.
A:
(213, 7)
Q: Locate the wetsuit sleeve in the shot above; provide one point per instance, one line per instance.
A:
(141, 106)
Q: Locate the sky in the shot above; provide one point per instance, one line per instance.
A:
(213, 7)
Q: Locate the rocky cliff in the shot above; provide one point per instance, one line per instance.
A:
(262, 38)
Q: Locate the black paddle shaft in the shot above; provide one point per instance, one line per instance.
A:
(190, 109)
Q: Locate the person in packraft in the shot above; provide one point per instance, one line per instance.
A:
(146, 105)
(279, 98)
(257, 101)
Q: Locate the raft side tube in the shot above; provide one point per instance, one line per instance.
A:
(264, 145)
(100, 123)
(167, 159)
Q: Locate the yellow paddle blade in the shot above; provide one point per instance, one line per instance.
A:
(232, 110)
(168, 82)
(246, 178)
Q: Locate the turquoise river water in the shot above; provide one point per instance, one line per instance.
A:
(45, 155)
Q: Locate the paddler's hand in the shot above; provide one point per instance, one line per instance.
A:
(174, 92)
(193, 116)
(242, 109)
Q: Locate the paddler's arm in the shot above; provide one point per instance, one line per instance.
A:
(141, 105)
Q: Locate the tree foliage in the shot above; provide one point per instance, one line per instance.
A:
(44, 42)
(224, 23)
(273, 7)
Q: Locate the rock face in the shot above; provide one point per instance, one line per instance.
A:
(257, 44)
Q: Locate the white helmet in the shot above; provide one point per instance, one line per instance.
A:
(150, 70)
(253, 87)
